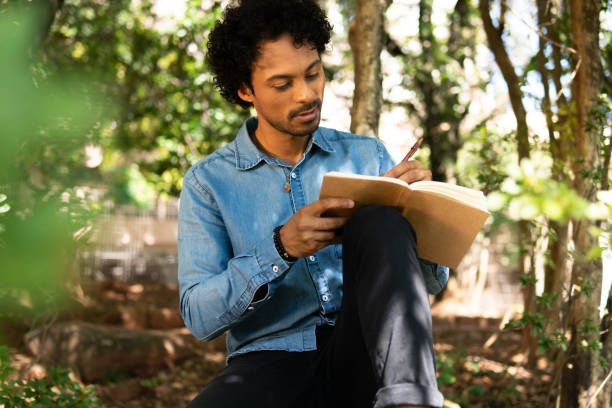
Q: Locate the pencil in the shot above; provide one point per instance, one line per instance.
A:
(413, 149)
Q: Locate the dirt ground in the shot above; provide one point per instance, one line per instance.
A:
(471, 374)
(478, 364)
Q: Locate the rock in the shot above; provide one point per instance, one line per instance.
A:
(133, 316)
(143, 316)
(138, 316)
(164, 318)
(97, 351)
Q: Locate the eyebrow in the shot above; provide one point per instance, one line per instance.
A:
(284, 76)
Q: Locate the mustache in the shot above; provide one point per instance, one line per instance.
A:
(314, 104)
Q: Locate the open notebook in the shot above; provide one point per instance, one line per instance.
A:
(446, 217)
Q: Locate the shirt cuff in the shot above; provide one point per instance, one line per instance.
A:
(270, 268)
(436, 276)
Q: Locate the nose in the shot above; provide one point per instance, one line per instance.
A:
(304, 91)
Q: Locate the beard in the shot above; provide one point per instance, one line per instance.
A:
(304, 129)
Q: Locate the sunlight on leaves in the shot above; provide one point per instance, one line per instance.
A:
(528, 192)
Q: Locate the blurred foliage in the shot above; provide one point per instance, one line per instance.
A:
(169, 114)
(46, 123)
(528, 192)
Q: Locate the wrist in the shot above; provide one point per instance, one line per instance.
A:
(280, 248)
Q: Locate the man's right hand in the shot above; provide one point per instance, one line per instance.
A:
(307, 230)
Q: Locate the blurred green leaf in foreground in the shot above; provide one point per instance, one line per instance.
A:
(44, 118)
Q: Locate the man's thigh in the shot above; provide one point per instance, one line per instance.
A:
(264, 379)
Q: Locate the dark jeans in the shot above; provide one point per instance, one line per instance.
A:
(380, 353)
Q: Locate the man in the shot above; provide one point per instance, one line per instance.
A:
(309, 322)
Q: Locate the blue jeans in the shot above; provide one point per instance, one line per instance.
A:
(379, 353)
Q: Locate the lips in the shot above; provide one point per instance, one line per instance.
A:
(308, 115)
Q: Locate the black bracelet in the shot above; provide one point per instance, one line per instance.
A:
(278, 244)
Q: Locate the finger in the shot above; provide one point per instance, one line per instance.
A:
(322, 224)
(323, 237)
(329, 223)
(416, 175)
(316, 240)
(404, 167)
(320, 206)
(397, 170)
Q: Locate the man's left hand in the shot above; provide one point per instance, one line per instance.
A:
(409, 171)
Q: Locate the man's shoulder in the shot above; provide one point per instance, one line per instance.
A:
(347, 140)
(340, 136)
(224, 158)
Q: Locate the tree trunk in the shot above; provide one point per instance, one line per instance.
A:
(440, 118)
(425, 82)
(584, 374)
(556, 272)
(366, 40)
(496, 45)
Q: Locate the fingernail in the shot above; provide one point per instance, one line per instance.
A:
(351, 204)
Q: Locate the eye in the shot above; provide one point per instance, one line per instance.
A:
(282, 87)
(312, 76)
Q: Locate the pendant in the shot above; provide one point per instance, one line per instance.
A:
(287, 187)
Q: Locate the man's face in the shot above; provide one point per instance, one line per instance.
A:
(288, 84)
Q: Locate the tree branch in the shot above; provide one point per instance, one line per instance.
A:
(496, 44)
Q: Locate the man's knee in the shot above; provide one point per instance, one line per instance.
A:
(379, 222)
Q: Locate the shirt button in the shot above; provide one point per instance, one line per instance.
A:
(325, 298)
(293, 175)
(250, 308)
(274, 268)
(312, 258)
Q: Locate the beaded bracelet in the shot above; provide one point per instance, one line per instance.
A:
(278, 244)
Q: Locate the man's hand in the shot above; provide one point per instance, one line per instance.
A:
(307, 231)
(409, 171)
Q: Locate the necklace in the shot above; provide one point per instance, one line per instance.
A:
(287, 186)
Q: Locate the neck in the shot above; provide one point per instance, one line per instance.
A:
(280, 145)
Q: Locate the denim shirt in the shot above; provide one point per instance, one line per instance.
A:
(230, 203)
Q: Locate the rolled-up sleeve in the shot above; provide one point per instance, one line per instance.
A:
(216, 286)
(436, 276)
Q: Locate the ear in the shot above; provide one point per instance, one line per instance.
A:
(246, 93)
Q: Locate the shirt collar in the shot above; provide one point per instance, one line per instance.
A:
(248, 156)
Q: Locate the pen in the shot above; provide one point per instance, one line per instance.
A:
(413, 149)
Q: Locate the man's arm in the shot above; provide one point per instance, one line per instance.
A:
(219, 288)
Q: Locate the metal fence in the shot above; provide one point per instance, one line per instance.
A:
(133, 245)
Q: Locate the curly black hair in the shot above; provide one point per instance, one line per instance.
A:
(233, 44)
